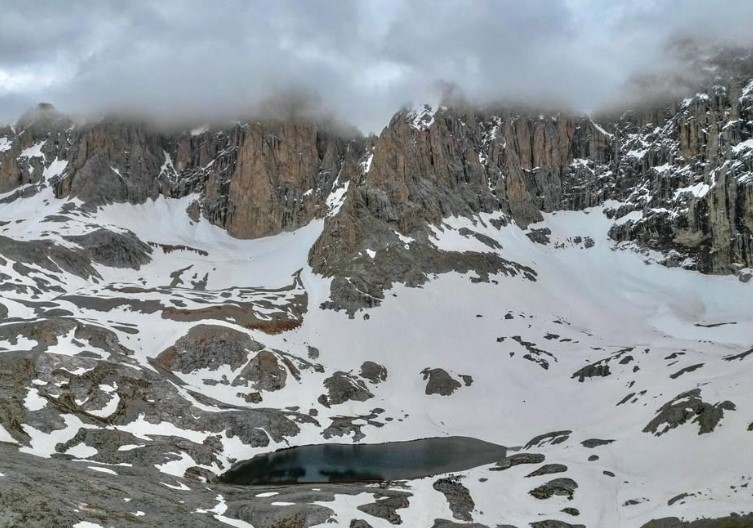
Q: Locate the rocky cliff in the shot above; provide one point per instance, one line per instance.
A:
(679, 174)
(253, 179)
(175, 301)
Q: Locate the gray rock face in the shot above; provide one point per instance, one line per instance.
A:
(24, 501)
(561, 486)
(683, 165)
(264, 372)
(685, 407)
(117, 250)
(386, 506)
(555, 524)
(106, 373)
(439, 382)
(253, 177)
(516, 459)
(548, 469)
(458, 497)
(685, 370)
(708, 226)
(444, 523)
(49, 493)
(374, 372)
(208, 346)
(342, 387)
(601, 368)
(595, 442)
(115, 160)
(466, 161)
(292, 516)
(352, 425)
(49, 256)
(732, 521)
(740, 356)
(540, 236)
(592, 371)
(360, 281)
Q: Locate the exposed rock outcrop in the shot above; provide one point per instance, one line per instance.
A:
(342, 387)
(208, 347)
(685, 407)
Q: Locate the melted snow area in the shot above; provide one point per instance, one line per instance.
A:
(594, 347)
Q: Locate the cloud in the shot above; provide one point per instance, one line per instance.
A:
(363, 60)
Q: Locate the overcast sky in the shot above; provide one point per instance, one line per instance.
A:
(360, 59)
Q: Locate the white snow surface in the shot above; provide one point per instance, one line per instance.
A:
(421, 116)
(596, 301)
(55, 168)
(5, 436)
(336, 199)
(600, 129)
(743, 146)
(34, 151)
(200, 130)
(699, 190)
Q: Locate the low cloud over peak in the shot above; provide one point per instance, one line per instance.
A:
(361, 60)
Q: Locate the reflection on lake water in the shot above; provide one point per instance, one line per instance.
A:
(365, 462)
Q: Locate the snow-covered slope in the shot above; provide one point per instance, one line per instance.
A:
(596, 347)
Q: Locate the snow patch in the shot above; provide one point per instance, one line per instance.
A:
(129, 447)
(179, 487)
(421, 117)
(43, 444)
(366, 164)
(81, 450)
(33, 401)
(336, 199)
(200, 130)
(406, 240)
(102, 470)
(6, 437)
(35, 151)
(745, 145)
(167, 166)
(632, 216)
(637, 154)
(600, 129)
(177, 468)
(56, 168)
(699, 190)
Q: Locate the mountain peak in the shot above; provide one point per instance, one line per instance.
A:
(43, 115)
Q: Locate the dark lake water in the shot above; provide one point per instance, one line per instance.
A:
(365, 462)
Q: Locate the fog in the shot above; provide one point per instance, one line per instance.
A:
(360, 61)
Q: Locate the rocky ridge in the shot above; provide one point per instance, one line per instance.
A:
(681, 172)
